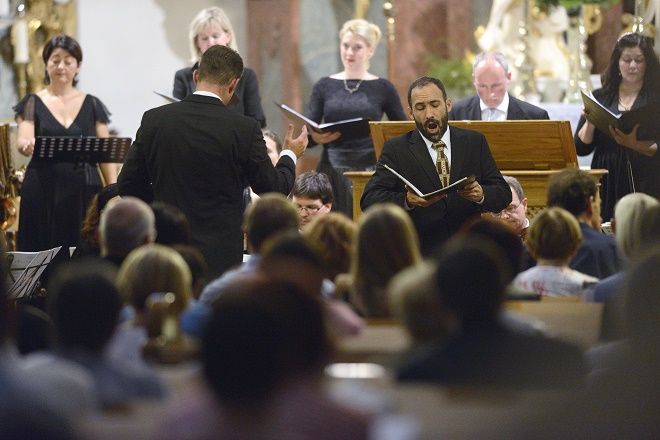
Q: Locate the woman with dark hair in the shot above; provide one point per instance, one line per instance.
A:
(55, 196)
(631, 81)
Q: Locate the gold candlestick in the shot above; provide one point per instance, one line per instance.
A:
(390, 13)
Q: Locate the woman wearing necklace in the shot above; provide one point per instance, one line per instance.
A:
(54, 196)
(351, 93)
(631, 81)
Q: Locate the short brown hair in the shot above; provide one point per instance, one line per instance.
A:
(571, 189)
(220, 65)
(554, 234)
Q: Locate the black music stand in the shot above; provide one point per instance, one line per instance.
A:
(81, 149)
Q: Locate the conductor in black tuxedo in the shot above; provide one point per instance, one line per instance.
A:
(491, 77)
(198, 155)
(425, 156)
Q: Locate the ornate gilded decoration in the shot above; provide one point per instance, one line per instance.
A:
(45, 19)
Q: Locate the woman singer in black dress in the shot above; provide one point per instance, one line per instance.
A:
(54, 196)
(631, 81)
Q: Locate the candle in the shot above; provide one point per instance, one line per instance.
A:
(19, 33)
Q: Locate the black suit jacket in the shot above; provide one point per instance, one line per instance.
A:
(469, 109)
(409, 155)
(490, 354)
(247, 92)
(198, 155)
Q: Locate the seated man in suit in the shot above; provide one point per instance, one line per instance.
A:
(577, 192)
(431, 157)
(491, 76)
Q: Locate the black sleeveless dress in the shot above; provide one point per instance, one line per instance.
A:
(54, 196)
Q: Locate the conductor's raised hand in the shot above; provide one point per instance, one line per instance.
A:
(324, 137)
(297, 145)
(413, 199)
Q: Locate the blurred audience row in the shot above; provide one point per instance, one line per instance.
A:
(136, 296)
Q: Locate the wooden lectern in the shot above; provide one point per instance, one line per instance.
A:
(530, 151)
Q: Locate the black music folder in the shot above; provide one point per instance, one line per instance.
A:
(350, 128)
(648, 118)
(81, 149)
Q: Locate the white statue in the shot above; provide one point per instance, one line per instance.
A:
(545, 39)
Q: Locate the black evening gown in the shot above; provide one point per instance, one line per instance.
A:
(629, 170)
(55, 196)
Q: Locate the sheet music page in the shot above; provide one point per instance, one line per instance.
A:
(28, 273)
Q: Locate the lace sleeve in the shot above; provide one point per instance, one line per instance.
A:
(25, 108)
(101, 112)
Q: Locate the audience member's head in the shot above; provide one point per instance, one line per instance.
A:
(502, 235)
(197, 265)
(273, 145)
(273, 213)
(84, 304)
(515, 215)
(90, 228)
(414, 301)
(312, 195)
(491, 77)
(154, 269)
(471, 278)
(172, 226)
(577, 192)
(386, 243)
(126, 224)
(332, 235)
(288, 257)
(554, 235)
(634, 223)
(263, 334)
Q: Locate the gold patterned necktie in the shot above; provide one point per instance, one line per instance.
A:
(442, 164)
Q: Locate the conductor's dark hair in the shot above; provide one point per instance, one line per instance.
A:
(65, 42)
(220, 65)
(421, 82)
(84, 304)
(571, 189)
